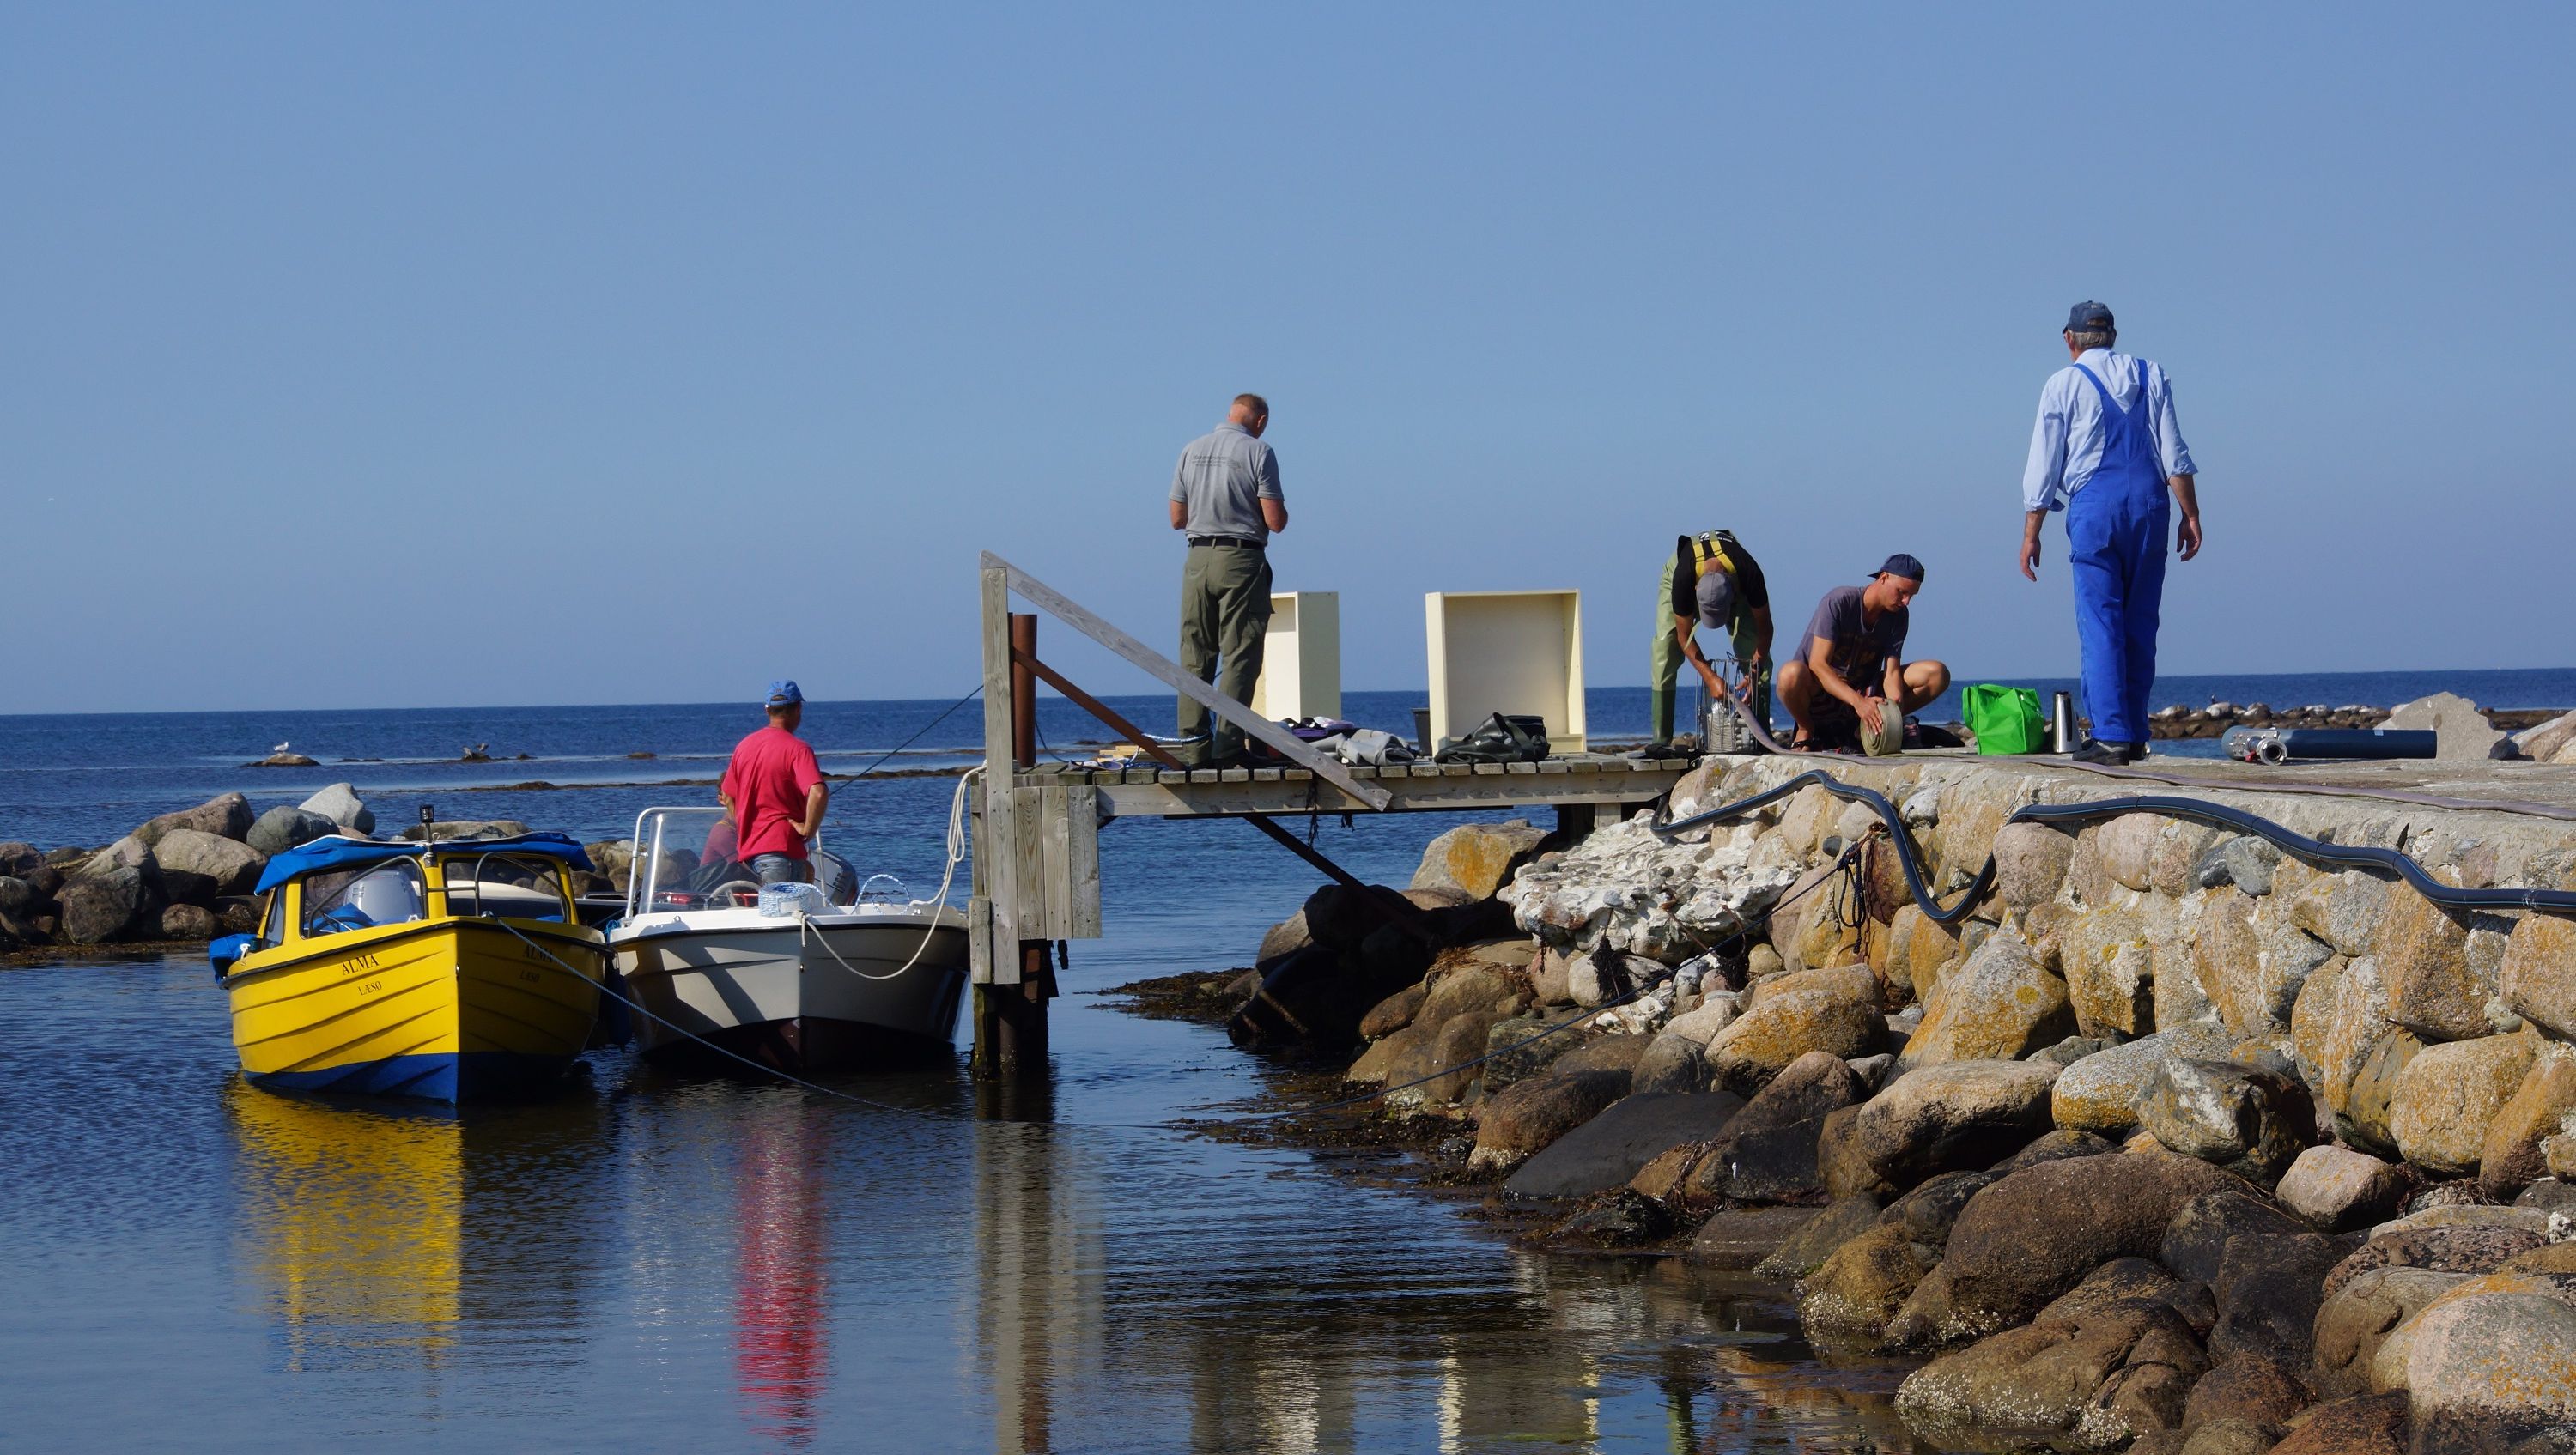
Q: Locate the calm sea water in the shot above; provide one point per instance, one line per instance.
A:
(649, 1263)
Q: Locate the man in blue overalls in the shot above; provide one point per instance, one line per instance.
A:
(2106, 451)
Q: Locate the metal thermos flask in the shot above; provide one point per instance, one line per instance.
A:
(2061, 723)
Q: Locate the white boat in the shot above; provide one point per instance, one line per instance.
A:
(803, 978)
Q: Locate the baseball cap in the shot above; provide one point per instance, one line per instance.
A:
(1903, 565)
(1716, 593)
(783, 693)
(2087, 316)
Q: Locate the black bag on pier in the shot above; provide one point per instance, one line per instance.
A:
(1503, 738)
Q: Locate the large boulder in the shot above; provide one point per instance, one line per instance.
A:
(2461, 733)
(2497, 1365)
(189, 922)
(1475, 859)
(1862, 1285)
(1768, 1152)
(2457, 1249)
(2197, 1238)
(2100, 1092)
(1671, 1064)
(1612, 1148)
(199, 867)
(2110, 968)
(2030, 864)
(2353, 1321)
(2441, 968)
(341, 804)
(283, 828)
(2534, 973)
(2036, 1233)
(2339, 1189)
(2448, 1094)
(2247, 1119)
(2511, 1158)
(1530, 1114)
(226, 816)
(1965, 1114)
(1839, 1020)
(1315, 999)
(117, 904)
(2000, 1005)
(2094, 1381)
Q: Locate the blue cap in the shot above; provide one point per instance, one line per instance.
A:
(2088, 316)
(783, 693)
(1903, 565)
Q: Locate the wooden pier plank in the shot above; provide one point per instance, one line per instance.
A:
(1082, 862)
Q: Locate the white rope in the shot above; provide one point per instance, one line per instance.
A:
(957, 843)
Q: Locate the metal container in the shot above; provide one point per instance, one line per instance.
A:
(2061, 723)
(1727, 732)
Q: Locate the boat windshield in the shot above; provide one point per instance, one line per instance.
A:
(504, 886)
(355, 899)
(684, 859)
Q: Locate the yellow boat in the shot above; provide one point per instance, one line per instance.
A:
(453, 971)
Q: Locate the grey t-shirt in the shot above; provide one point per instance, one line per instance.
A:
(1860, 649)
(1223, 477)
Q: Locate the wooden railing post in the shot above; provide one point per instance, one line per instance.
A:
(1011, 978)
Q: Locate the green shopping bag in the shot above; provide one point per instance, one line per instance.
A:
(2005, 719)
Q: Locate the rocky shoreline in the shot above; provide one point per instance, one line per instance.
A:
(2213, 720)
(186, 877)
(2176, 1144)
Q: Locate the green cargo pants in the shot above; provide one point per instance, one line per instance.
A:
(1667, 661)
(1225, 609)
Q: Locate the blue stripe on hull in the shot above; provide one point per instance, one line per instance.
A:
(443, 1076)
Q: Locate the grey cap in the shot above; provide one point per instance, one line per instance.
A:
(1716, 598)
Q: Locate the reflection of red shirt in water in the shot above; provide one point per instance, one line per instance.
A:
(771, 772)
(723, 845)
(782, 1297)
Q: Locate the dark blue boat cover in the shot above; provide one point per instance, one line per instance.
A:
(339, 853)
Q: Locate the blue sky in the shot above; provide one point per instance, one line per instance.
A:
(380, 356)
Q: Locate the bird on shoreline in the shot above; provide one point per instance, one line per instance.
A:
(280, 748)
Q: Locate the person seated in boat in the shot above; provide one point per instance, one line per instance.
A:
(724, 841)
(1849, 686)
(775, 793)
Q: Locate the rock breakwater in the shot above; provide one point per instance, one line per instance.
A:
(2175, 1143)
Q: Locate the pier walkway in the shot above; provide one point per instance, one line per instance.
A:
(1037, 825)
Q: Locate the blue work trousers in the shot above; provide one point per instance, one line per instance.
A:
(2116, 530)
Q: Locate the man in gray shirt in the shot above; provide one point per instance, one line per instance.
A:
(1225, 497)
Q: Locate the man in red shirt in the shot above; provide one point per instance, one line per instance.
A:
(776, 792)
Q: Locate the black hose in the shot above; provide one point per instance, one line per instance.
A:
(2290, 841)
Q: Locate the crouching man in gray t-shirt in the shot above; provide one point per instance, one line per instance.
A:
(1225, 497)
(1848, 684)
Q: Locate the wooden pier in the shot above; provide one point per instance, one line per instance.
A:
(1037, 825)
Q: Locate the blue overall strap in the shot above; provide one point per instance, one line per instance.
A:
(2109, 408)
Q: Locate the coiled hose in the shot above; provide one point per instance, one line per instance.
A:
(2290, 841)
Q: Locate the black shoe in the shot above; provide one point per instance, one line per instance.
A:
(2113, 755)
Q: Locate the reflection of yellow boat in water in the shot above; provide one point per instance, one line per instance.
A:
(451, 971)
(351, 1223)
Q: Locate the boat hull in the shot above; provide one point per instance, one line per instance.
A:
(791, 997)
(447, 1010)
